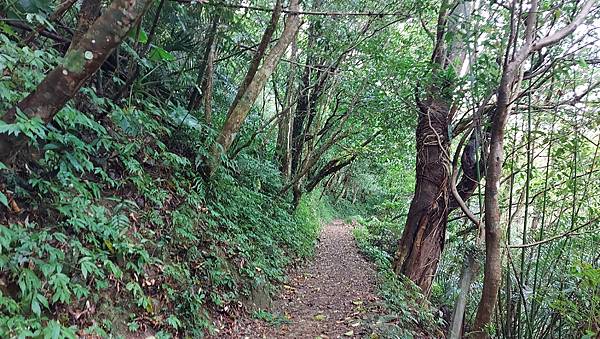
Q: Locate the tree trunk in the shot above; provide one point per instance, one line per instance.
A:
(299, 117)
(492, 269)
(205, 66)
(472, 169)
(422, 241)
(469, 272)
(335, 165)
(153, 29)
(134, 69)
(89, 12)
(260, 52)
(509, 80)
(81, 61)
(423, 237)
(207, 85)
(332, 167)
(302, 106)
(238, 112)
(284, 124)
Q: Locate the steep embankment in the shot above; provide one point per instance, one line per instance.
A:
(112, 231)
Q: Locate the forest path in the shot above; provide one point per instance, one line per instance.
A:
(331, 296)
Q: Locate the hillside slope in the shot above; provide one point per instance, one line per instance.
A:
(113, 231)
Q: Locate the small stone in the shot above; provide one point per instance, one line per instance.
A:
(65, 72)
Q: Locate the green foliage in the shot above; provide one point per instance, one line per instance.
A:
(130, 235)
(118, 231)
(412, 312)
(579, 303)
(270, 318)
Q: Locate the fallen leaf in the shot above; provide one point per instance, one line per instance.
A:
(319, 317)
(349, 333)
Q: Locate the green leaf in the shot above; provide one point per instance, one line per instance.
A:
(42, 299)
(35, 307)
(3, 199)
(61, 290)
(142, 37)
(159, 54)
(7, 29)
(9, 128)
(87, 266)
(53, 330)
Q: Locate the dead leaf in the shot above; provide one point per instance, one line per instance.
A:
(349, 333)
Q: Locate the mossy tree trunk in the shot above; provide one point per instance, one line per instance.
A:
(80, 63)
(251, 87)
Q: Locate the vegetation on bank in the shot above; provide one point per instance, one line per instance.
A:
(122, 233)
(410, 315)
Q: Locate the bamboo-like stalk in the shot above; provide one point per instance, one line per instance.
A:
(543, 221)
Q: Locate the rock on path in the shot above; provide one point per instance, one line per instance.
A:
(332, 296)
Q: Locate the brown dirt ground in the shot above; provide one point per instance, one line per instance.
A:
(332, 296)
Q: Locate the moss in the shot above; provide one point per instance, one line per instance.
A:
(74, 61)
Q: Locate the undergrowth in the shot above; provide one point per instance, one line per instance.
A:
(411, 315)
(113, 231)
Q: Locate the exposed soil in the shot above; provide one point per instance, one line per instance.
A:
(332, 296)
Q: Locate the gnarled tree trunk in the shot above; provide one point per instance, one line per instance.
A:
(422, 241)
(423, 237)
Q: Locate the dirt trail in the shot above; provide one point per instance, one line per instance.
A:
(332, 296)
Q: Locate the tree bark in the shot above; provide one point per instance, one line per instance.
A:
(134, 69)
(303, 105)
(260, 53)
(469, 272)
(422, 240)
(238, 112)
(80, 62)
(205, 64)
(283, 151)
(335, 165)
(423, 237)
(207, 85)
(332, 167)
(471, 168)
(300, 116)
(89, 12)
